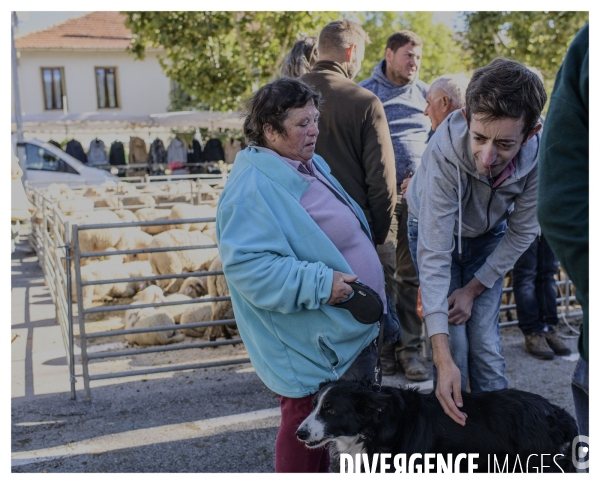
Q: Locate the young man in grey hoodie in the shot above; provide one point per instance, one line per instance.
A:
(478, 172)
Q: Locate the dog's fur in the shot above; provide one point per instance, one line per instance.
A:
(356, 419)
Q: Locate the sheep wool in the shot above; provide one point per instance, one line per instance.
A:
(176, 262)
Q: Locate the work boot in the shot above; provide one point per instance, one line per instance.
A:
(536, 345)
(414, 369)
(556, 343)
(389, 366)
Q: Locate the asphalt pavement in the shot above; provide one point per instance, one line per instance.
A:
(217, 420)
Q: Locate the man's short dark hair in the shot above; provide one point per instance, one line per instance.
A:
(505, 89)
(400, 39)
(271, 104)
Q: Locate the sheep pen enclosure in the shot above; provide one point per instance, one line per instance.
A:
(134, 273)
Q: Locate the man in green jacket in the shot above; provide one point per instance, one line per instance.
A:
(563, 196)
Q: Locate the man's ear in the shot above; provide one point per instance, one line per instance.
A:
(464, 113)
(389, 53)
(532, 133)
(348, 53)
(446, 103)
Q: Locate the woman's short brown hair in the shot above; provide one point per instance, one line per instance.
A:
(271, 104)
(505, 89)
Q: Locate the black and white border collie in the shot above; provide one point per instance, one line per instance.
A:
(355, 419)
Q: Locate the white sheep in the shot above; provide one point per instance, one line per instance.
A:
(197, 314)
(133, 238)
(217, 286)
(108, 270)
(194, 286)
(150, 318)
(69, 206)
(98, 240)
(186, 211)
(176, 262)
(148, 214)
(126, 216)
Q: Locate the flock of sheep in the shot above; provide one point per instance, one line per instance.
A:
(113, 203)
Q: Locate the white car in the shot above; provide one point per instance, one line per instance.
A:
(46, 164)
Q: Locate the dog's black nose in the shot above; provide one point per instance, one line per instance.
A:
(302, 434)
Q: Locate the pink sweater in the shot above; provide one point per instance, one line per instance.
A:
(340, 223)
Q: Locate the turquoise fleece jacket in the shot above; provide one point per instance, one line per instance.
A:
(279, 267)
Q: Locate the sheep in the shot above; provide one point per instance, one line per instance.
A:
(217, 286)
(145, 200)
(70, 206)
(194, 287)
(98, 240)
(176, 262)
(126, 216)
(134, 238)
(211, 232)
(206, 192)
(149, 318)
(112, 269)
(186, 211)
(197, 314)
(147, 214)
(155, 294)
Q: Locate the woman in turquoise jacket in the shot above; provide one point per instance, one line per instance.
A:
(290, 239)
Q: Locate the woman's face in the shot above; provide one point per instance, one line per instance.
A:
(300, 137)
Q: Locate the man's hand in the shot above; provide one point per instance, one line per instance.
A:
(404, 185)
(460, 302)
(340, 291)
(447, 390)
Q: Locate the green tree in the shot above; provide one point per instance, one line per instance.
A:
(220, 58)
(537, 39)
(442, 50)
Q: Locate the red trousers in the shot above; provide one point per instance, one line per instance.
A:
(291, 455)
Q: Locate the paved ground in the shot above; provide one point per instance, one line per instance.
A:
(172, 422)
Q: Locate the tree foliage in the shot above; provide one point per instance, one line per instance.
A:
(220, 58)
(442, 52)
(537, 39)
(217, 59)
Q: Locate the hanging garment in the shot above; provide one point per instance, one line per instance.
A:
(75, 149)
(97, 153)
(158, 153)
(194, 153)
(137, 150)
(213, 151)
(117, 153)
(195, 156)
(176, 154)
(231, 148)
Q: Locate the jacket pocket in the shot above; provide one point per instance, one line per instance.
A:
(329, 354)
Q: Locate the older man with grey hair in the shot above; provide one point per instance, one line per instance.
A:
(446, 94)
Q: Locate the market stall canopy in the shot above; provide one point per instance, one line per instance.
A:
(110, 121)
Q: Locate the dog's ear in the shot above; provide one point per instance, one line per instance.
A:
(370, 402)
(376, 401)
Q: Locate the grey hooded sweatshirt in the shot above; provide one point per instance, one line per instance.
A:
(448, 169)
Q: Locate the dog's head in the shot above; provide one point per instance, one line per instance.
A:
(342, 409)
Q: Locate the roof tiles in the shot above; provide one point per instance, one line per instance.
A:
(94, 31)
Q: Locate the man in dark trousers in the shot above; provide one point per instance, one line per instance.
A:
(395, 81)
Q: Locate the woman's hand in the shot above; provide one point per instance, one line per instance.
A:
(340, 291)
